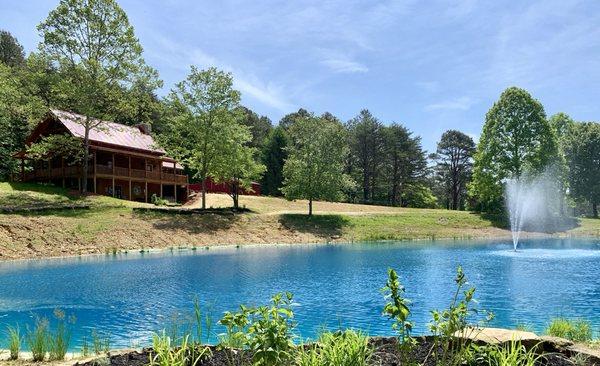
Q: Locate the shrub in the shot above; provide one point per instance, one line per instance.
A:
(347, 348)
(14, 342)
(575, 330)
(37, 339)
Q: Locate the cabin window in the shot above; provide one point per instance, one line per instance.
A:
(149, 167)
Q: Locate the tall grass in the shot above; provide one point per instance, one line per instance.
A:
(512, 354)
(166, 353)
(574, 330)
(37, 339)
(14, 342)
(100, 343)
(58, 341)
(346, 348)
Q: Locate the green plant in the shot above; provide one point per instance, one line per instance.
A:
(345, 348)
(158, 201)
(165, 353)
(203, 323)
(235, 338)
(575, 330)
(58, 341)
(511, 354)
(270, 330)
(85, 347)
(450, 326)
(14, 342)
(37, 339)
(100, 343)
(398, 311)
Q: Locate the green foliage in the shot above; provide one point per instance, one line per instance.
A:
(397, 308)
(575, 330)
(454, 321)
(37, 339)
(100, 343)
(454, 163)
(165, 353)
(265, 330)
(512, 354)
(14, 342)
(52, 146)
(11, 51)
(516, 139)
(314, 169)
(346, 348)
(582, 150)
(158, 201)
(418, 195)
(259, 126)
(274, 154)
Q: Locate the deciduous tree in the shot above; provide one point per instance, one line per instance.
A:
(582, 150)
(11, 51)
(315, 165)
(97, 54)
(516, 138)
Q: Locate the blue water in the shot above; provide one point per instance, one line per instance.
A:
(131, 295)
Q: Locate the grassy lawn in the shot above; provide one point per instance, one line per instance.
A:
(111, 225)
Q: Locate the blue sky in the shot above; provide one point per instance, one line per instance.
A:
(431, 65)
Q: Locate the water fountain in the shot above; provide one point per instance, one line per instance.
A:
(530, 202)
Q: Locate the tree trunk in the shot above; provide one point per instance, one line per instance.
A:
(204, 193)
(310, 207)
(595, 209)
(235, 194)
(86, 156)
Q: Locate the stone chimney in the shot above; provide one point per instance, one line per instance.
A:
(144, 128)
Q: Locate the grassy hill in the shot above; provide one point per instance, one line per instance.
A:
(101, 224)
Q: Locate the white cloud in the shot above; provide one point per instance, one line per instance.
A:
(429, 86)
(341, 65)
(461, 104)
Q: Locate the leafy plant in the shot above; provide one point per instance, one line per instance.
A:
(397, 310)
(203, 321)
(514, 353)
(235, 338)
(344, 348)
(37, 339)
(575, 330)
(450, 326)
(158, 201)
(14, 342)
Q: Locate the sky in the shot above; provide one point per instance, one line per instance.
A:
(430, 65)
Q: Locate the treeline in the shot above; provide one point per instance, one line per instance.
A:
(89, 61)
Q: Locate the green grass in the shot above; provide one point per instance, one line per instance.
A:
(574, 330)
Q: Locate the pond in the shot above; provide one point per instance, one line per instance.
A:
(131, 295)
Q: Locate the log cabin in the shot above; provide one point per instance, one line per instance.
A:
(125, 161)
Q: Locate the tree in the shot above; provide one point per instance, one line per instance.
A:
(239, 168)
(274, 154)
(314, 167)
(454, 163)
(289, 119)
(562, 125)
(97, 55)
(403, 160)
(203, 124)
(366, 151)
(259, 126)
(65, 146)
(583, 157)
(516, 139)
(11, 51)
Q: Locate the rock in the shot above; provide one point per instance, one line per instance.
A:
(592, 356)
(555, 344)
(499, 336)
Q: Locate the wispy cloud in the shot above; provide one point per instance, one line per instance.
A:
(429, 86)
(461, 104)
(340, 65)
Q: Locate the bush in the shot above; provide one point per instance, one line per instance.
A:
(347, 348)
(157, 201)
(574, 330)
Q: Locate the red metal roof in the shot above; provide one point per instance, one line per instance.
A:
(109, 133)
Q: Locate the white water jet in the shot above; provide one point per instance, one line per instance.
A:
(531, 203)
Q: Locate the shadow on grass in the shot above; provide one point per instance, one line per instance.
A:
(326, 226)
(549, 225)
(192, 223)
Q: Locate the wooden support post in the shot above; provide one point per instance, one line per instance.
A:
(129, 172)
(175, 191)
(113, 164)
(130, 192)
(161, 194)
(113, 185)
(146, 171)
(146, 191)
(95, 169)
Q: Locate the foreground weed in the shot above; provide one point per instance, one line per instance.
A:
(398, 311)
(347, 348)
(165, 353)
(100, 343)
(14, 342)
(512, 354)
(574, 330)
(37, 339)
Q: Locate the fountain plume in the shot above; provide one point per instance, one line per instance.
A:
(532, 203)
